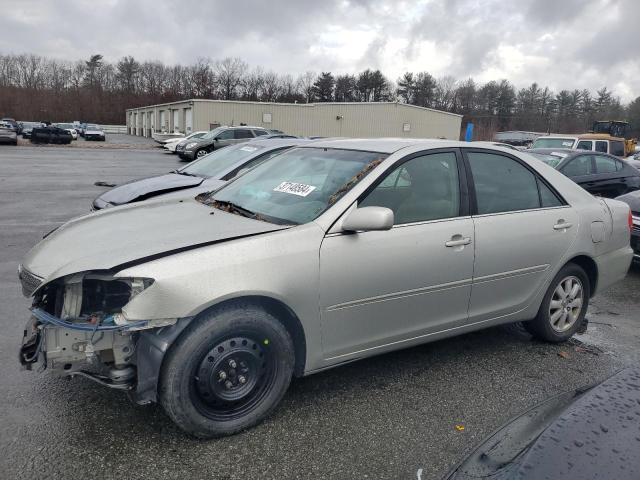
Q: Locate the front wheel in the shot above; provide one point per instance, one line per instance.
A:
(564, 306)
(227, 372)
(201, 153)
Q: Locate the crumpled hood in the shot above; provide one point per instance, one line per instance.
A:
(148, 187)
(116, 236)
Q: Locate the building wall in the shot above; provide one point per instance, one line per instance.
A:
(323, 119)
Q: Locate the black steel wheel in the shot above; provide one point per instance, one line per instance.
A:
(232, 377)
(227, 371)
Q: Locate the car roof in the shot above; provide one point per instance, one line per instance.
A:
(564, 151)
(387, 145)
(278, 142)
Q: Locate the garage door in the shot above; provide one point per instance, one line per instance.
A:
(188, 120)
(175, 120)
(163, 123)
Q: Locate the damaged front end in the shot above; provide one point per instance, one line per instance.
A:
(77, 327)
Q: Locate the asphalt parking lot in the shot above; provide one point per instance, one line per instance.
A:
(388, 417)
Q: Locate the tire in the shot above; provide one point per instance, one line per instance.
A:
(227, 372)
(559, 321)
(200, 153)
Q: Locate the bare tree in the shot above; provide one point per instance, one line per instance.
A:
(305, 83)
(229, 76)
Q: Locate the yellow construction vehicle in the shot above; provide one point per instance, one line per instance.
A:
(617, 129)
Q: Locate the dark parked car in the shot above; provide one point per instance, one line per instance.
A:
(50, 134)
(205, 174)
(633, 200)
(586, 434)
(217, 138)
(27, 127)
(7, 134)
(598, 173)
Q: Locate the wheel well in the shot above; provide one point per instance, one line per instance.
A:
(285, 315)
(590, 268)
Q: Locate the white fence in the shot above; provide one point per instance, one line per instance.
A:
(114, 128)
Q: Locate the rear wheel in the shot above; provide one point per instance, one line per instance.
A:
(227, 372)
(564, 306)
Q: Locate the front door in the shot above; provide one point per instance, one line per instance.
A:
(380, 290)
(522, 230)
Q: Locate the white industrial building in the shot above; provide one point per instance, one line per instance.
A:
(357, 119)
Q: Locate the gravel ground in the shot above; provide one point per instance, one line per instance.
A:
(385, 417)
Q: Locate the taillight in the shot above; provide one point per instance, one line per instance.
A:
(630, 221)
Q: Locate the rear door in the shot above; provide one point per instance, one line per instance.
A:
(522, 230)
(611, 177)
(582, 170)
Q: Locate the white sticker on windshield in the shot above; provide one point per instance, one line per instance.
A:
(568, 143)
(248, 149)
(559, 154)
(293, 188)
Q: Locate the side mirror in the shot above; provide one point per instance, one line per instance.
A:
(368, 219)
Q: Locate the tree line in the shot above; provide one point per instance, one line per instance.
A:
(33, 87)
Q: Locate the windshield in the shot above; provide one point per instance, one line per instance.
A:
(212, 133)
(298, 185)
(219, 161)
(552, 159)
(556, 142)
(93, 127)
(193, 135)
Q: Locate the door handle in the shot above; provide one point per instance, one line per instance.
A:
(458, 242)
(562, 225)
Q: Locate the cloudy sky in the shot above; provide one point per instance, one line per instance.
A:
(559, 43)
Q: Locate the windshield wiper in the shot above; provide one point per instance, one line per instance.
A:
(231, 207)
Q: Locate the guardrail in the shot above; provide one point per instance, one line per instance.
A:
(114, 128)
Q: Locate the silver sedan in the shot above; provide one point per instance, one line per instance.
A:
(325, 254)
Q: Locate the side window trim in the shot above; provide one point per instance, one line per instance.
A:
(464, 209)
(473, 203)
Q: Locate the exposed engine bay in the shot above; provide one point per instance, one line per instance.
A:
(77, 328)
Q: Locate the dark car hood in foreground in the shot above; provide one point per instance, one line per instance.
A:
(580, 435)
(137, 190)
(131, 233)
(632, 199)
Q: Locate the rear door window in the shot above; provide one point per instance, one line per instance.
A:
(605, 164)
(579, 166)
(502, 184)
(259, 133)
(242, 133)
